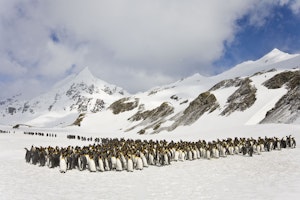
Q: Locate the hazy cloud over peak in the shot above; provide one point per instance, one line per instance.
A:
(132, 43)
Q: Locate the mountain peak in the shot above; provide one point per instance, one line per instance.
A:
(275, 56)
(85, 73)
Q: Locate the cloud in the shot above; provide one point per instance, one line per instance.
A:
(134, 44)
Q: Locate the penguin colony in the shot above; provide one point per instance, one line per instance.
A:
(129, 155)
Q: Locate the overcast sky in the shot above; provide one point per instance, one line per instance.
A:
(136, 44)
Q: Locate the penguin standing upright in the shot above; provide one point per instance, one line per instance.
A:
(118, 164)
(139, 163)
(176, 155)
(91, 163)
(129, 164)
(101, 165)
(62, 164)
(143, 157)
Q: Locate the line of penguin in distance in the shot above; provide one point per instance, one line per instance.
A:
(129, 155)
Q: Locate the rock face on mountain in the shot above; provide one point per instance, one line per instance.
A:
(287, 109)
(152, 118)
(205, 102)
(243, 98)
(226, 84)
(123, 105)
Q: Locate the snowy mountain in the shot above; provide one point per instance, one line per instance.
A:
(80, 93)
(253, 92)
(240, 96)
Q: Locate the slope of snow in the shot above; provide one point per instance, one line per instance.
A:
(274, 60)
(272, 175)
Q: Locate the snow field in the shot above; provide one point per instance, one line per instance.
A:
(272, 175)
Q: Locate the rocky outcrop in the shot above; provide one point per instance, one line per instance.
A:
(227, 83)
(287, 109)
(242, 99)
(151, 119)
(152, 115)
(123, 105)
(277, 81)
(79, 119)
(205, 102)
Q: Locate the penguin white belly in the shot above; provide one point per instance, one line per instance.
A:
(176, 156)
(278, 146)
(166, 159)
(113, 162)
(118, 165)
(151, 159)
(223, 150)
(198, 154)
(208, 154)
(190, 155)
(236, 150)
(62, 165)
(230, 149)
(129, 165)
(145, 163)
(92, 165)
(106, 165)
(101, 165)
(182, 156)
(262, 147)
(139, 164)
(194, 155)
(258, 149)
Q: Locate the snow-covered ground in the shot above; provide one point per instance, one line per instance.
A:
(272, 175)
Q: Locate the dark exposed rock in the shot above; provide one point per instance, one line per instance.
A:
(123, 105)
(287, 109)
(99, 105)
(279, 80)
(79, 119)
(241, 99)
(227, 83)
(152, 115)
(151, 119)
(205, 102)
(184, 102)
(174, 97)
(11, 110)
(263, 72)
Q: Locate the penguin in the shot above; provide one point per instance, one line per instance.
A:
(101, 165)
(106, 164)
(176, 155)
(118, 165)
(216, 153)
(165, 158)
(250, 151)
(181, 155)
(151, 159)
(223, 151)
(258, 150)
(113, 162)
(231, 150)
(208, 154)
(92, 164)
(82, 162)
(139, 163)
(129, 165)
(42, 157)
(27, 156)
(145, 163)
(62, 164)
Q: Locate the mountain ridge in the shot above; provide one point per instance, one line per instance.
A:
(236, 92)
